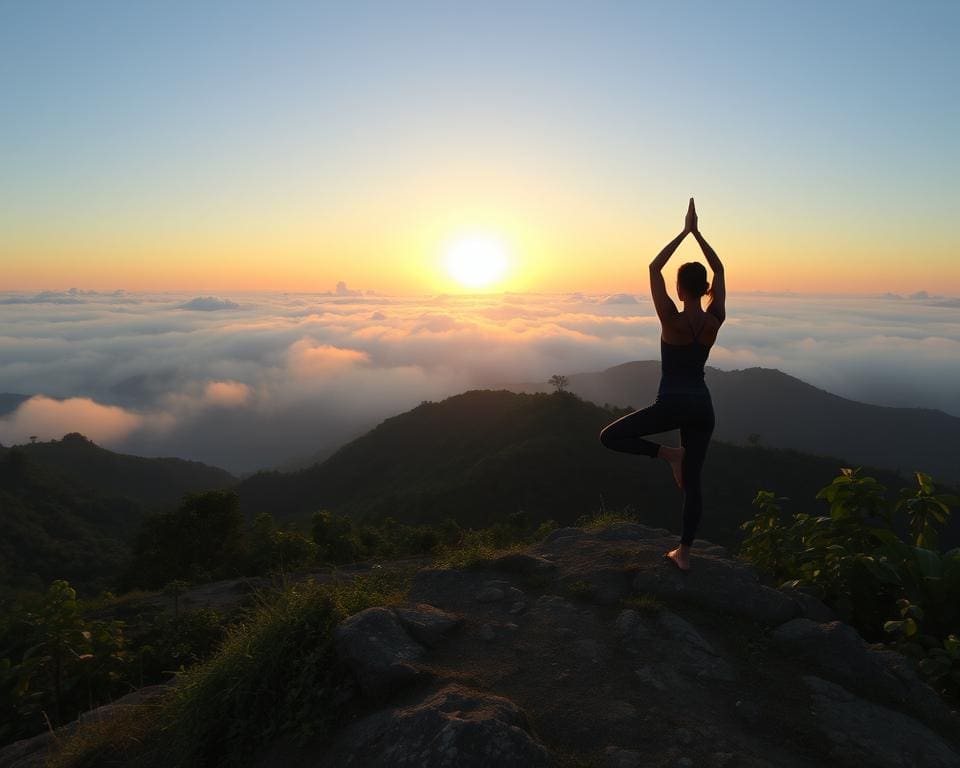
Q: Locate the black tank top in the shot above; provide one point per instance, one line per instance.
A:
(681, 366)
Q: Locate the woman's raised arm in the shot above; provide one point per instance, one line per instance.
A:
(658, 289)
(718, 287)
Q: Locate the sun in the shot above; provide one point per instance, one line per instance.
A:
(477, 261)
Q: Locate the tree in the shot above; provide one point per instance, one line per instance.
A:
(203, 537)
(334, 536)
(559, 382)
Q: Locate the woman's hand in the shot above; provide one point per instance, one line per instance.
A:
(690, 224)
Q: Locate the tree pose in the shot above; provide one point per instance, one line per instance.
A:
(683, 400)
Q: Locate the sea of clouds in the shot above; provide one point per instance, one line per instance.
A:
(248, 381)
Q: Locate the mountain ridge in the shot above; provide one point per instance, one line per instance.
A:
(783, 411)
(537, 455)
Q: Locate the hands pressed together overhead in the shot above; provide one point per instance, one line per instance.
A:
(690, 223)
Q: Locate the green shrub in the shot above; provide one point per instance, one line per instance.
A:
(274, 676)
(891, 586)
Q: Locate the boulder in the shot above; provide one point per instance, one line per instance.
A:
(810, 606)
(860, 733)
(374, 644)
(697, 656)
(632, 630)
(836, 651)
(426, 623)
(455, 727)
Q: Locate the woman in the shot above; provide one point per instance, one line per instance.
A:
(683, 400)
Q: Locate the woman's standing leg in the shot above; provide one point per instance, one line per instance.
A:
(695, 438)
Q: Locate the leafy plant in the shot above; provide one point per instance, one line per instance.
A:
(855, 559)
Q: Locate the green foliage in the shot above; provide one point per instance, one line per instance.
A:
(604, 518)
(336, 539)
(872, 560)
(54, 663)
(479, 456)
(276, 675)
(174, 643)
(68, 509)
(340, 540)
(475, 548)
(275, 550)
(202, 539)
(925, 511)
(770, 544)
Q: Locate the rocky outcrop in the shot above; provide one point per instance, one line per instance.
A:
(717, 583)
(861, 732)
(380, 644)
(622, 660)
(834, 650)
(592, 648)
(454, 727)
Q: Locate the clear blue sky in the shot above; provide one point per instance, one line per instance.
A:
(121, 122)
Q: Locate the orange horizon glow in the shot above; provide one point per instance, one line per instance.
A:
(415, 267)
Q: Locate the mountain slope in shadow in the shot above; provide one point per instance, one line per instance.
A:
(785, 412)
(481, 456)
(68, 508)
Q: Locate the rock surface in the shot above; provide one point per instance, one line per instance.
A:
(591, 648)
(619, 659)
(864, 733)
(838, 653)
(374, 644)
(454, 727)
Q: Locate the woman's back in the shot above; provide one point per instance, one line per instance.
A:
(682, 362)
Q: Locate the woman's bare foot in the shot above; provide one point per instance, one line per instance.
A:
(674, 457)
(680, 557)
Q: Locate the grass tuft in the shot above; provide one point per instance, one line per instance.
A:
(275, 676)
(600, 520)
(579, 589)
(643, 603)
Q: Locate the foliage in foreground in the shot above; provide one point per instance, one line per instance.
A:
(56, 661)
(275, 677)
(876, 564)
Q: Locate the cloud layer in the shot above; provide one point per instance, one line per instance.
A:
(267, 377)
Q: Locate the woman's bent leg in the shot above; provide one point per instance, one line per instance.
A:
(626, 434)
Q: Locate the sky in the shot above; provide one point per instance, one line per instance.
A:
(218, 147)
(255, 380)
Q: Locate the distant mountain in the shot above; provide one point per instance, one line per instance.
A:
(784, 412)
(154, 483)
(68, 508)
(482, 455)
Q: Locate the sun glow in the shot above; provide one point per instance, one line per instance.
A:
(476, 261)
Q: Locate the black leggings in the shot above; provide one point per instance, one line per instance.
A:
(693, 416)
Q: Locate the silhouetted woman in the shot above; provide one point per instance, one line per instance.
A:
(683, 400)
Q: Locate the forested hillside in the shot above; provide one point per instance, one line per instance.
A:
(69, 508)
(483, 455)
